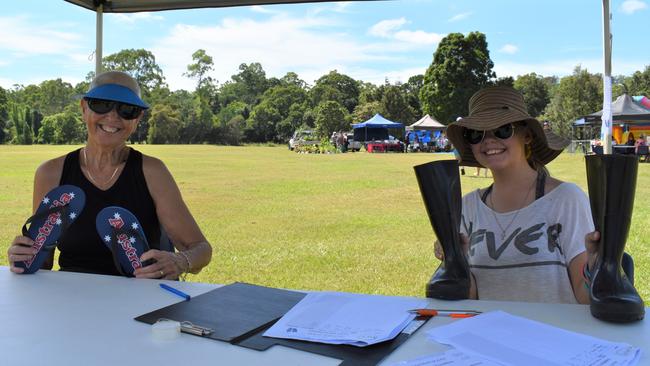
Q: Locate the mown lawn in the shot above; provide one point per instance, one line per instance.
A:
(350, 222)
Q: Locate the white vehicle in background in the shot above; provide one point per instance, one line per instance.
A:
(353, 144)
(302, 137)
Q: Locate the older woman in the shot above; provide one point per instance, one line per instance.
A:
(114, 174)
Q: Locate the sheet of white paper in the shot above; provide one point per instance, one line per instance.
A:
(342, 318)
(514, 340)
(451, 357)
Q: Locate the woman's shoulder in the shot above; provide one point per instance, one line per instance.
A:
(50, 170)
(154, 169)
(566, 190)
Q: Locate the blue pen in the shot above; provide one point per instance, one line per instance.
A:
(175, 291)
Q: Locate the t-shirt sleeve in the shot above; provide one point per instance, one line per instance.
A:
(575, 216)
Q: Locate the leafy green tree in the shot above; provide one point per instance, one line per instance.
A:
(232, 110)
(291, 78)
(535, 91)
(577, 95)
(139, 63)
(365, 111)
(639, 82)
(199, 70)
(331, 116)
(62, 128)
(205, 87)
(54, 96)
(412, 89)
(197, 125)
(4, 114)
(369, 92)
(505, 81)
(396, 107)
(20, 131)
(165, 125)
(336, 87)
(260, 126)
(230, 132)
(251, 81)
(461, 66)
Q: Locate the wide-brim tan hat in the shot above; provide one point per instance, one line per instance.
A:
(496, 106)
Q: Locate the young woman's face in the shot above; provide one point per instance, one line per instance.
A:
(496, 153)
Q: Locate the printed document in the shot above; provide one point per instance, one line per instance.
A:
(451, 357)
(512, 340)
(343, 318)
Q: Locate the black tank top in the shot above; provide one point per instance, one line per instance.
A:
(82, 250)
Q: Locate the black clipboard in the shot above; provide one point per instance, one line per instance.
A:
(240, 313)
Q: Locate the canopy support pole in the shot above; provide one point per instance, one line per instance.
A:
(606, 127)
(99, 35)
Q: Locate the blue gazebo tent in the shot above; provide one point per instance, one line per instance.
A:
(376, 128)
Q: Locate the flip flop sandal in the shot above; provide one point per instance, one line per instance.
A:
(123, 235)
(58, 210)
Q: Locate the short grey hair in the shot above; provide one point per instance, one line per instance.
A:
(116, 77)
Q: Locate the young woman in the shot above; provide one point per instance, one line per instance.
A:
(526, 232)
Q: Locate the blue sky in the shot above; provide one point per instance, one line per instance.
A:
(368, 40)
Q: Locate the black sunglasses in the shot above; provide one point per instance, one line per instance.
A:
(102, 106)
(474, 137)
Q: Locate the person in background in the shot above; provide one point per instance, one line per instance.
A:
(527, 236)
(639, 142)
(111, 173)
(630, 139)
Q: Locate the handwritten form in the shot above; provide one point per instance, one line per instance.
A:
(343, 318)
(511, 340)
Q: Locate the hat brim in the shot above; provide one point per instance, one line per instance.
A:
(545, 145)
(116, 93)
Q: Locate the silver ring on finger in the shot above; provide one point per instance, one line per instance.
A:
(162, 274)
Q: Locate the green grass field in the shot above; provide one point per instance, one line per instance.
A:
(349, 222)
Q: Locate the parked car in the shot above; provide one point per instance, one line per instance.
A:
(302, 137)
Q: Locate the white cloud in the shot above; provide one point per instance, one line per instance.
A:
(7, 83)
(263, 10)
(280, 44)
(459, 17)
(509, 49)
(21, 38)
(418, 37)
(390, 28)
(132, 18)
(386, 27)
(632, 6)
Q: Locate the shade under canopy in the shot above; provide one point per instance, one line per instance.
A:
(130, 6)
(378, 121)
(624, 108)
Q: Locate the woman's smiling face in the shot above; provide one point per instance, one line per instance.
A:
(107, 129)
(496, 154)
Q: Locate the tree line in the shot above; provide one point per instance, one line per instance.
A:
(252, 108)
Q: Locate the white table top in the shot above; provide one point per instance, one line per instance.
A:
(59, 318)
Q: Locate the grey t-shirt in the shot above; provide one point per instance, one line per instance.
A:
(530, 262)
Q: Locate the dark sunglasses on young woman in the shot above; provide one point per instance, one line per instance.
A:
(474, 137)
(102, 106)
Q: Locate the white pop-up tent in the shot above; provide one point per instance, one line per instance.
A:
(426, 123)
